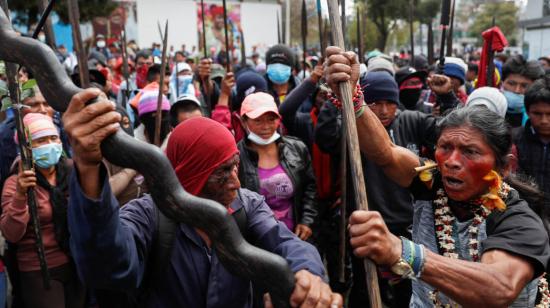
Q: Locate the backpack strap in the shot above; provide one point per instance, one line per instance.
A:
(163, 244)
(162, 248)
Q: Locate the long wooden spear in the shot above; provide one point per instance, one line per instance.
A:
(354, 153)
(304, 37)
(491, 60)
(203, 31)
(451, 30)
(443, 25)
(158, 116)
(278, 29)
(411, 30)
(45, 23)
(25, 150)
(359, 35)
(74, 18)
(227, 51)
(125, 67)
(243, 51)
(320, 22)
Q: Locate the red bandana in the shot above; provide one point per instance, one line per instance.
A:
(196, 148)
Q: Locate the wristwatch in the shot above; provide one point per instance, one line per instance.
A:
(403, 269)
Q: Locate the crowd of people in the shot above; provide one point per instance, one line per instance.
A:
(457, 178)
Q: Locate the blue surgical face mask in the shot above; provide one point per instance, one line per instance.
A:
(515, 102)
(47, 155)
(278, 73)
(261, 141)
(185, 85)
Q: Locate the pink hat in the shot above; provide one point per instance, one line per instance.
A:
(257, 104)
(39, 125)
(148, 102)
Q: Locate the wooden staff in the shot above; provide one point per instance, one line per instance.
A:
(344, 199)
(359, 35)
(451, 30)
(355, 154)
(158, 117)
(411, 30)
(304, 37)
(25, 150)
(243, 51)
(490, 61)
(444, 24)
(125, 67)
(278, 29)
(203, 30)
(320, 22)
(227, 57)
(74, 18)
(45, 23)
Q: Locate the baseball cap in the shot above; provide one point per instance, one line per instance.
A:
(257, 104)
(280, 54)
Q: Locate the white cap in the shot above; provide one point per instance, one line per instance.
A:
(187, 97)
(180, 67)
(457, 61)
(489, 97)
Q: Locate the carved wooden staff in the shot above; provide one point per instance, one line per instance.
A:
(354, 152)
(265, 269)
(74, 18)
(158, 116)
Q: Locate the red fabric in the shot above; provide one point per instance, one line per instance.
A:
(222, 115)
(196, 148)
(498, 40)
(321, 166)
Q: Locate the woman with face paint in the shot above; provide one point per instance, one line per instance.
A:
(49, 179)
(476, 240)
(279, 168)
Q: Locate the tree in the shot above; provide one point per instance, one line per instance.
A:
(506, 16)
(29, 12)
(384, 14)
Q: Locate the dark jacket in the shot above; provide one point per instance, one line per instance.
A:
(111, 247)
(296, 162)
(410, 129)
(534, 158)
(295, 112)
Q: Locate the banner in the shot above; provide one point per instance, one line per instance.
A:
(215, 36)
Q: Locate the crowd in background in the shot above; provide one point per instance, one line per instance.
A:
(288, 132)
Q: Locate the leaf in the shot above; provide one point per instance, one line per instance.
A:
(6, 104)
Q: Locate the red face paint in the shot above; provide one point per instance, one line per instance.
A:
(464, 158)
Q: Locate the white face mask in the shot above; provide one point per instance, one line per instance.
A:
(261, 141)
(100, 44)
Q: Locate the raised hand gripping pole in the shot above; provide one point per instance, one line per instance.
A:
(354, 152)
